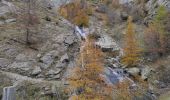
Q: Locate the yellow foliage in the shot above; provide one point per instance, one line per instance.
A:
(131, 49)
(122, 90)
(86, 76)
(81, 19)
(76, 12)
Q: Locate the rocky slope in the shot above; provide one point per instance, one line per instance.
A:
(56, 47)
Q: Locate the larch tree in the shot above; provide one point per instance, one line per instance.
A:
(86, 79)
(28, 18)
(131, 48)
(76, 12)
(156, 35)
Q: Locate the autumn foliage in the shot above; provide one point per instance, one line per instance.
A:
(77, 12)
(156, 35)
(131, 49)
(86, 80)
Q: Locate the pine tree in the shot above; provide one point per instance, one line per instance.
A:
(131, 49)
(86, 79)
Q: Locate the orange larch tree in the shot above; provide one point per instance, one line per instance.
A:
(76, 12)
(86, 78)
(131, 48)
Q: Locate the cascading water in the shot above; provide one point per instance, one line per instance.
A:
(9, 93)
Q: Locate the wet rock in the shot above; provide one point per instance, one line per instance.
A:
(111, 76)
(9, 93)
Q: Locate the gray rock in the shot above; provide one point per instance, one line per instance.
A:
(60, 65)
(124, 15)
(145, 72)
(48, 58)
(21, 57)
(21, 67)
(1, 23)
(125, 1)
(133, 71)
(36, 71)
(64, 58)
(107, 43)
(57, 76)
(43, 66)
(54, 72)
(4, 10)
(69, 40)
(11, 52)
(4, 62)
(111, 76)
(10, 20)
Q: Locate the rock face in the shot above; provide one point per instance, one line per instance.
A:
(4, 62)
(48, 58)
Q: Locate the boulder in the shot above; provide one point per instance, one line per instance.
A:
(145, 72)
(124, 15)
(10, 20)
(69, 40)
(106, 43)
(36, 71)
(64, 58)
(133, 71)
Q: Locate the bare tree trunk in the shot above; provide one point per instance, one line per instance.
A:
(27, 36)
(28, 22)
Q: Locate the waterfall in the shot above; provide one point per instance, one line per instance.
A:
(9, 93)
